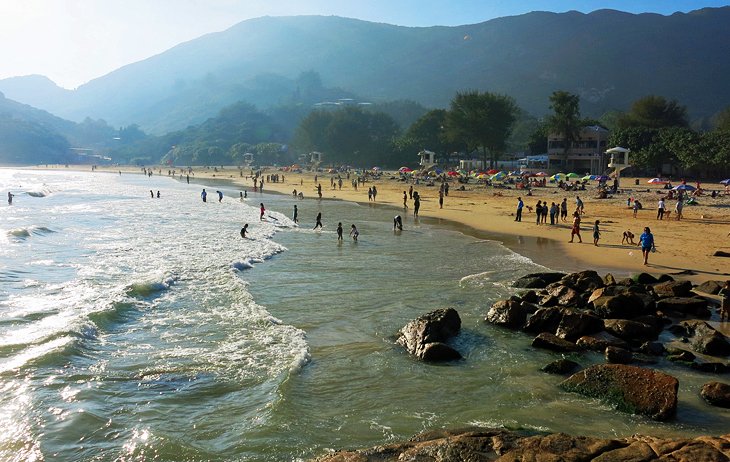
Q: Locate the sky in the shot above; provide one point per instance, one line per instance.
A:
(74, 41)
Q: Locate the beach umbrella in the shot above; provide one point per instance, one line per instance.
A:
(540, 174)
(375, 169)
(498, 176)
(558, 176)
(482, 176)
(725, 182)
(572, 175)
(405, 169)
(657, 181)
(453, 173)
(684, 187)
(588, 177)
(603, 178)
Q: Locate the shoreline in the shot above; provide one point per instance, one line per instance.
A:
(684, 247)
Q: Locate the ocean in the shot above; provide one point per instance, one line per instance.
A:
(141, 328)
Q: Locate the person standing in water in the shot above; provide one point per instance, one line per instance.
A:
(318, 224)
(243, 230)
(339, 231)
(220, 196)
(405, 200)
(263, 209)
(354, 233)
(416, 203)
(152, 195)
(10, 198)
(296, 214)
(204, 195)
(397, 223)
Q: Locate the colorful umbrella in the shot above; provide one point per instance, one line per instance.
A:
(572, 175)
(588, 177)
(657, 181)
(725, 182)
(558, 176)
(375, 169)
(405, 169)
(492, 171)
(684, 187)
(603, 178)
(498, 176)
(453, 173)
(540, 174)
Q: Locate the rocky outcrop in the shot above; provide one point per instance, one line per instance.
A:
(487, 445)
(685, 305)
(673, 289)
(630, 330)
(716, 393)
(703, 338)
(710, 287)
(561, 367)
(552, 342)
(631, 389)
(537, 280)
(424, 337)
(508, 313)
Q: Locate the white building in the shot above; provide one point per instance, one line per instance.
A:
(587, 154)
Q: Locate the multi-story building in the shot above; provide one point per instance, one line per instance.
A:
(586, 155)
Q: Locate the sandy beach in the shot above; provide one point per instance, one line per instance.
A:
(686, 246)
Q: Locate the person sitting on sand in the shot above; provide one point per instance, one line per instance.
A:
(628, 238)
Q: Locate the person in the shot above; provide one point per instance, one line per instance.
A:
(660, 209)
(241, 194)
(405, 200)
(339, 231)
(220, 196)
(263, 209)
(370, 194)
(410, 192)
(544, 211)
(296, 214)
(354, 233)
(725, 303)
(397, 223)
(538, 211)
(564, 209)
(441, 198)
(244, 230)
(646, 240)
(416, 203)
(204, 195)
(575, 230)
(318, 224)
(152, 195)
(319, 190)
(579, 205)
(553, 213)
(637, 207)
(628, 238)
(596, 233)
(158, 194)
(520, 205)
(678, 209)
(187, 178)
(245, 194)
(10, 198)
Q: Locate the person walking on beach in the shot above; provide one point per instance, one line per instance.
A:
(564, 209)
(204, 195)
(520, 205)
(244, 230)
(375, 193)
(318, 224)
(319, 190)
(370, 194)
(405, 200)
(296, 213)
(596, 233)
(416, 203)
(263, 209)
(646, 240)
(678, 209)
(579, 205)
(660, 209)
(354, 233)
(441, 198)
(575, 230)
(339, 231)
(725, 303)
(410, 192)
(637, 207)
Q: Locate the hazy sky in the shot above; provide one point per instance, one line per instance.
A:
(74, 41)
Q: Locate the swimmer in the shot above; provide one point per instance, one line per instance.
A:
(244, 230)
(354, 233)
(397, 223)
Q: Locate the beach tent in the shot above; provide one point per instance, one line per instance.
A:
(453, 173)
(657, 181)
(540, 174)
(499, 176)
(558, 177)
(725, 182)
(492, 171)
(602, 178)
(588, 177)
(684, 187)
(572, 175)
(405, 169)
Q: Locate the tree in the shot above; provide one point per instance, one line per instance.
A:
(565, 120)
(722, 120)
(654, 112)
(481, 120)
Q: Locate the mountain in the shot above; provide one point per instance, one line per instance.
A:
(609, 58)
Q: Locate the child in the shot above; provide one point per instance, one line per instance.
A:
(596, 233)
(725, 306)
(628, 238)
(354, 233)
(339, 231)
(244, 230)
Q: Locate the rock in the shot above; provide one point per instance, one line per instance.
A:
(609, 280)
(630, 331)
(716, 393)
(710, 287)
(624, 306)
(548, 301)
(561, 367)
(711, 367)
(476, 444)
(666, 278)
(600, 341)
(574, 325)
(644, 278)
(507, 313)
(565, 295)
(721, 253)
(434, 327)
(583, 280)
(552, 342)
(673, 289)
(544, 320)
(631, 389)
(703, 338)
(652, 348)
(537, 280)
(530, 296)
(686, 305)
(617, 355)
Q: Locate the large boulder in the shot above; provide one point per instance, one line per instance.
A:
(565, 295)
(629, 388)
(552, 342)
(537, 280)
(644, 278)
(575, 324)
(600, 341)
(561, 367)
(624, 306)
(507, 313)
(583, 280)
(618, 355)
(696, 306)
(673, 289)
(716, 393)
(703, 338)
(631, 331)
(544, 320)
(710, 287)
(424, 337)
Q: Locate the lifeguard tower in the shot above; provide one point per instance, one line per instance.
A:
(428, 159)
(248, 159)
(315, 159)
(619, 160)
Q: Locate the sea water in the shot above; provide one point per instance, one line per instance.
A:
(141, 328)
